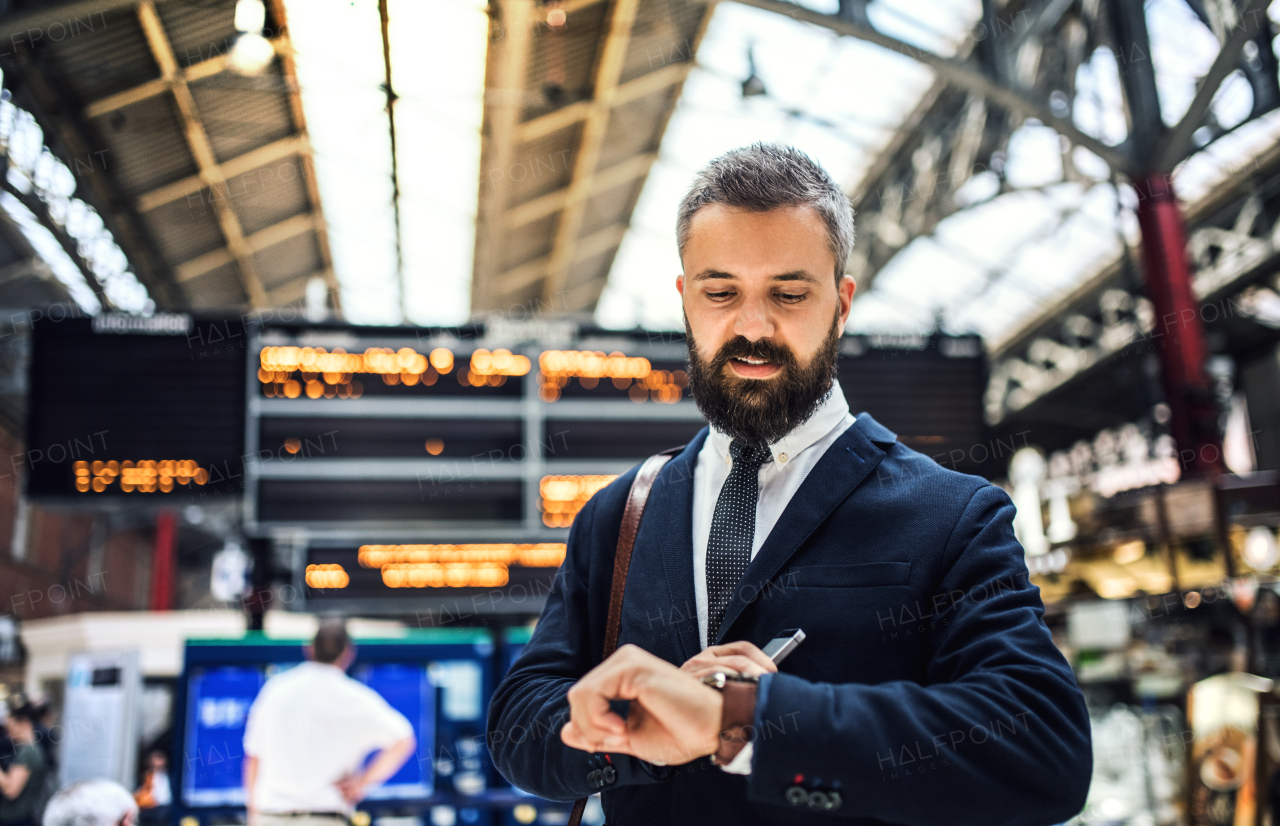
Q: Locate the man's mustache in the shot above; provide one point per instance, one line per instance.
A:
(762, 350)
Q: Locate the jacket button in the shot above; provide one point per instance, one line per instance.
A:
(595, 779)
(818, 800)
(608, 774)
(834, 801)
(797, 795)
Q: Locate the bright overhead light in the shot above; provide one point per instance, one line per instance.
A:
(338, 48)
(251, 54)
(251, 16)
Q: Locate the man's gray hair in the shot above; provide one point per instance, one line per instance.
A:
(767, 176)
(90, 803)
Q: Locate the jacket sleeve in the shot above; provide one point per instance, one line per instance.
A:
(530, 706)
(996, 733)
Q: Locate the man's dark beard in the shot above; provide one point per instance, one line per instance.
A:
(761, 411)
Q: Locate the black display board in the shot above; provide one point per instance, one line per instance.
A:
(161, 397)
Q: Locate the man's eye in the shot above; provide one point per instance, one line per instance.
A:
(720, 296)
(791, 298)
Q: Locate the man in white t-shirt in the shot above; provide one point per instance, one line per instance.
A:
(308, 733)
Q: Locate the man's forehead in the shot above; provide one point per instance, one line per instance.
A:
(727, 213)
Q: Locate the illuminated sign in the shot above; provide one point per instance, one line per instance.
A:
(144, 476)
(456, 566)
(331, 373)
(636, 375)
(561, 497)
(327, 576)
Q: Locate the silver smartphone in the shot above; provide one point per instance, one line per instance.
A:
(783, 644)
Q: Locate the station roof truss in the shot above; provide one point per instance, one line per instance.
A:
(203, 176)
(573, 121)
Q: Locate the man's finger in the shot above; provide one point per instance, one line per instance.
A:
(735, 662)
(570, 736)
(744, 649)
(589, 701)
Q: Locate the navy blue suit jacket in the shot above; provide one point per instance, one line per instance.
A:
(928, 689)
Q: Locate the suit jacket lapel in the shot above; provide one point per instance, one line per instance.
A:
(672, 502)
(840, 470)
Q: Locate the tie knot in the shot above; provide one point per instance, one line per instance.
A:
(751, 455)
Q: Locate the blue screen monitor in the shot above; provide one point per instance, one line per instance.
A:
(439, 679)
(217, 709)
(409, 691)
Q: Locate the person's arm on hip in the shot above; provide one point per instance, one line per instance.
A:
(250, 783)
(386, 763)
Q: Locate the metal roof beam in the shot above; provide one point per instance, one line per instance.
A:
(1178, 141)
(39, 19)
(295, 288)
(530, 273)
(544, 205)
(257, 242)
(155, 88)
(505, 70)
(239, 165)
(201, 149)
(655, 81)
(961, 73)
(608, 71)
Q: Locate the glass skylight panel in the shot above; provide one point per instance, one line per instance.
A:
(51, 253)
(819, 98)
(341, 72)
(1182, 50)
(438, 141)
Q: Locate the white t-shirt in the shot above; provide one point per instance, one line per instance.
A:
(309, 727)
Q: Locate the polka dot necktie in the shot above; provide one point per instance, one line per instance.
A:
(733, 530)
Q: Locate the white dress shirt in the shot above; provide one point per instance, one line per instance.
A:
(308, 728)
(794, 455)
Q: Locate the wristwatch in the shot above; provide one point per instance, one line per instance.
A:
(736, 728)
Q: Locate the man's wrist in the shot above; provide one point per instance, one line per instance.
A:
(738, 711)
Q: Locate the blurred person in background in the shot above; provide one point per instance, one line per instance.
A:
(154, 795)
(23, 784)
(1266, 633)
(43, 725)
(91, 803)
(308, 734)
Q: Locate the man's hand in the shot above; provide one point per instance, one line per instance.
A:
(351, 787)
(742, 657)
(673, 719)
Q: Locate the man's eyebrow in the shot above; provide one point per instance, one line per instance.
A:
(706, 275)
(797, 275)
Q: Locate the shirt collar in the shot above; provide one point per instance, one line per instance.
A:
(831, 411)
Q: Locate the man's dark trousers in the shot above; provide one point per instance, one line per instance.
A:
(928, 689)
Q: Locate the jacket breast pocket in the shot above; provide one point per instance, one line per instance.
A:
(849, 576)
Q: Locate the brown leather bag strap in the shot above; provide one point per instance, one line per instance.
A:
(636, 499)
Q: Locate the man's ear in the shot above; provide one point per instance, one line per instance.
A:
(680, 283)
(846, 288)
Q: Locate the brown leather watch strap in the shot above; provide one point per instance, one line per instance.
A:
(737, 726)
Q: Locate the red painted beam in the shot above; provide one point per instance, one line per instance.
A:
(163, 551)
(1178, 335)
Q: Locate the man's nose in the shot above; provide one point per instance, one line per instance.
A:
(754, 321)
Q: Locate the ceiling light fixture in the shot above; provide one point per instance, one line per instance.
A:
(251, 54)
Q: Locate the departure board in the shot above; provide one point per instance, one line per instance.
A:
(137, 407)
